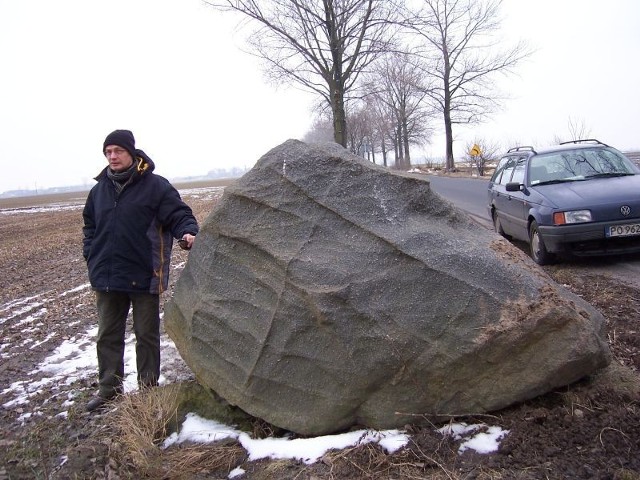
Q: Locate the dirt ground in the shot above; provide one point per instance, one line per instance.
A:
(587, 430)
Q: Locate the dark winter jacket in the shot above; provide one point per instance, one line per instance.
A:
(128, 237)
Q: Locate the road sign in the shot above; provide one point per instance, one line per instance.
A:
(475, 151)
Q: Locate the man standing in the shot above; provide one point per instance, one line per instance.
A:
(130, 217)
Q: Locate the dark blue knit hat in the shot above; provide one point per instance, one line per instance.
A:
(122, 138)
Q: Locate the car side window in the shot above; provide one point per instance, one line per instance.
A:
(508, 171)
(518, 170)
(497, 175)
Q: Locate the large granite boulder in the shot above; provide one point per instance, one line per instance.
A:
(324, 291)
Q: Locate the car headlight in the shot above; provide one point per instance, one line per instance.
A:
(572, 216)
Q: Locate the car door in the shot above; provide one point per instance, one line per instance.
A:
(497, 190)
(509, 206)
(516, 205)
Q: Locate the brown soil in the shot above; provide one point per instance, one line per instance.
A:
(587, 430)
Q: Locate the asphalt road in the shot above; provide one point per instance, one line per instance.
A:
(470, 195)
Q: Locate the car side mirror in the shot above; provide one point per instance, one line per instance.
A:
(513, 187)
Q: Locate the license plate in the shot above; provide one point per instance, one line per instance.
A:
(623, 230)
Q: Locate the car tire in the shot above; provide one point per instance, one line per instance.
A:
(539, 252)
(497, 226)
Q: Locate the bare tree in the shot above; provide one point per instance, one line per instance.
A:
(360, 132)
(395, 92)
(578, 129)
(480, 152)
(403, 90)
(320, 131)
(384, 122)
(459, 45)
(322, 45)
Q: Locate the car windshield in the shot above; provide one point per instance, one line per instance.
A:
(579, 164)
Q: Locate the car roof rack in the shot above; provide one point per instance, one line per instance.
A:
(527, 148)
(585, 140)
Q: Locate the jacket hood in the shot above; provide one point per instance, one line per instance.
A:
(145, 164)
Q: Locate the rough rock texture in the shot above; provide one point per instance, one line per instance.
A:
(324, 291)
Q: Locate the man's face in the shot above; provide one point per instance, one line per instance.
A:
(119, 159)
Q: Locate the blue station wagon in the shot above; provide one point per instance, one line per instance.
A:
(579, 198)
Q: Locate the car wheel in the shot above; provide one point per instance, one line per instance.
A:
(497, 226)
(539, 252)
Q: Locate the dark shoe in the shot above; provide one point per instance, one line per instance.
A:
(97, 403)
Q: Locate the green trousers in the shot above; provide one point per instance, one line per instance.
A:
(113, 310)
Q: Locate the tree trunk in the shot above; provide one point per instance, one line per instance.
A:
(448, 130)
(383, 146)
(339, 115)
(400, 153)
(405, 139)
(336, 83)
(449, 164)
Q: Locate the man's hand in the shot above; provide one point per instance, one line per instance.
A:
(186, 242)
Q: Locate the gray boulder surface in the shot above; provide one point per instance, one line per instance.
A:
(324, 291)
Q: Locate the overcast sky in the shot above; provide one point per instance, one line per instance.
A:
(173, 72)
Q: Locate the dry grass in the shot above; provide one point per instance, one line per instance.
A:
(371, 461)
(143, 420)
(184, 462)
